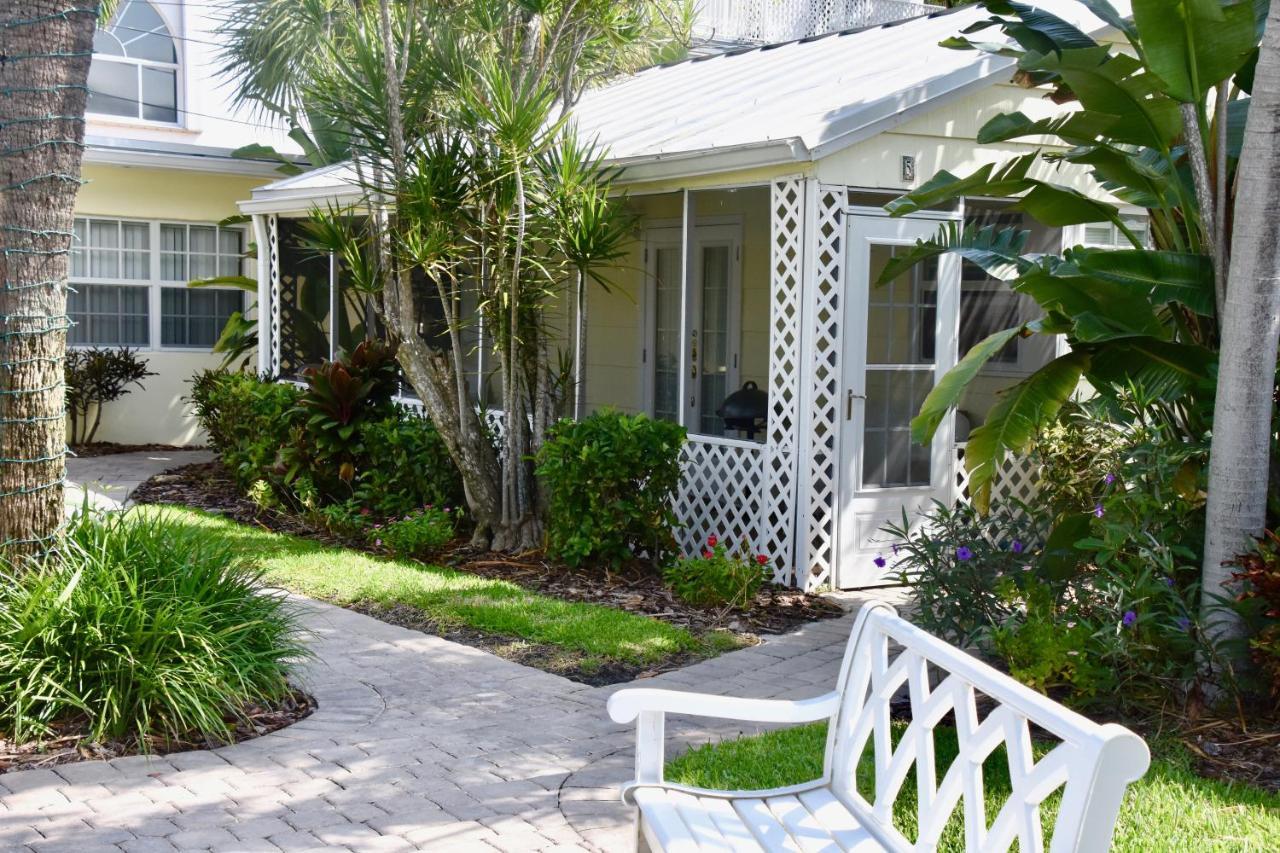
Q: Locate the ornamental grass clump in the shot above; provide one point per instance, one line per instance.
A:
(719, 577)
(139, 627)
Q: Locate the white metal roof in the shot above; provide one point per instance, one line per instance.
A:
(802, 99)
(792, 102)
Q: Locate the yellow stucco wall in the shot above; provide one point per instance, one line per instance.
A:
(158, 414)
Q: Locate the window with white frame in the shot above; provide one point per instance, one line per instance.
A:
(128, 283)
(1106, 234)
(134, 72)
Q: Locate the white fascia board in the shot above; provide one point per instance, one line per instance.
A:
(302, 202)
(710, 161)
(111, 156)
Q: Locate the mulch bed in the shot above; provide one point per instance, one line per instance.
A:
(209, 486)
(110, 448)
(70, 745)
(1225, 750)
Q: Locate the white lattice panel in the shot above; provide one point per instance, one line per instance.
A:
(1016, 477)
(778, 503)
(273, 267)
(721, 492)
(824, 321)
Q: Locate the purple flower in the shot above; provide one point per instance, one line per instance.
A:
(1098, 511)
(1016, 547)
(963, 553)
(1129, 618)
(1168, 581)
(895, 549)
(1109, 479)
(880, 561)
(1183, 623)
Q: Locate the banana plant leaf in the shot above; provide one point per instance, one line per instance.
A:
(951, 388)
(1192, 45)
(1182, 277)
(997, 250)
(1017, 417)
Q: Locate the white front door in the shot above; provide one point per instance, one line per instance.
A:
(901, 338)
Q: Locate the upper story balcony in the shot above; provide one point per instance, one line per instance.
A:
(726, 23)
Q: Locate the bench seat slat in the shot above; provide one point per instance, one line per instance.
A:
(802, 826)
(837, 820)
(759, 819)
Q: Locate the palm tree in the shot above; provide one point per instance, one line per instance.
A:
(47, 46)
(1239, 462)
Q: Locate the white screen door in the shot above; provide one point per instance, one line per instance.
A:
(902, 339)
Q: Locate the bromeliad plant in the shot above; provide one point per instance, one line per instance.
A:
(1145, 130)
(718, 577)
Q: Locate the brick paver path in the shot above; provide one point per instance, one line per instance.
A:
(418, 743)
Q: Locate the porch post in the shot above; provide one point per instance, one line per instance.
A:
(786, 274)
(333, 307)
(686, 347)
(273, 278)
(819, 449)
(263, 311)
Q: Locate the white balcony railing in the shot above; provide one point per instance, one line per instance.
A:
(769, 21)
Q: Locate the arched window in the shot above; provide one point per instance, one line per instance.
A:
(135, 66)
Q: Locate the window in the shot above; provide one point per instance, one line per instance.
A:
(1107, 234)
(123, 276)
(134, 72)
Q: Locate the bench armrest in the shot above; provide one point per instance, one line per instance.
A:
(626, 705)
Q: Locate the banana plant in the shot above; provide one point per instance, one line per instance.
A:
(1150, 119)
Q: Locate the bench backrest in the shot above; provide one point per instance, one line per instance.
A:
(1091, 764)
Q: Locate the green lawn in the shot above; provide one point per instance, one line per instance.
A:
(456, 599)
(1169, 809)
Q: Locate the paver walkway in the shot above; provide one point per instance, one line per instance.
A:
(418, 743)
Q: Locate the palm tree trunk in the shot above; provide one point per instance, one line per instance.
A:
(1238, 463)
(46, 46)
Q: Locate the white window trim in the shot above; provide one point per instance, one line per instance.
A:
(156, 283)
(178, 67)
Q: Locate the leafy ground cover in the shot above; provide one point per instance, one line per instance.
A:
(1171, 808)
(586, 642)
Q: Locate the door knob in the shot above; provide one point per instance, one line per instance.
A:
(848, 403)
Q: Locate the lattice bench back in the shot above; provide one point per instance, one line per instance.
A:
(1091, 764)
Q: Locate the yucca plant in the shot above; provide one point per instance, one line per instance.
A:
(140, 626)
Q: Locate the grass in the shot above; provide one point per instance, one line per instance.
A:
(1170, 809)
(458, 599)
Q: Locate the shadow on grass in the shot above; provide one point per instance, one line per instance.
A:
(449, 597)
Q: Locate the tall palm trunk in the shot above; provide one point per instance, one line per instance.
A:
(1238, 466)
(46, 46)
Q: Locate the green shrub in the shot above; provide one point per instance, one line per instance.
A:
(718, 578)
(612, 480)
(248, 422)
(418, 533)
(141, 625)
(964, 567)
(411, 466)
(1092, 588)
(329, 444)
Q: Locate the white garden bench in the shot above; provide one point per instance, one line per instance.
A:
(1091, 763)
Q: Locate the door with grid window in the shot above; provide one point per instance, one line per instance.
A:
(902, 337)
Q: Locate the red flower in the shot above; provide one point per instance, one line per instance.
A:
(707, 554)
(762, 559)
(712, 541)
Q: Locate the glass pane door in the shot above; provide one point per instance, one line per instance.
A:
(715, 366)
(901, 326)
(666, 343)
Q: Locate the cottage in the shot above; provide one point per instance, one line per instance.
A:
(758, 177)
